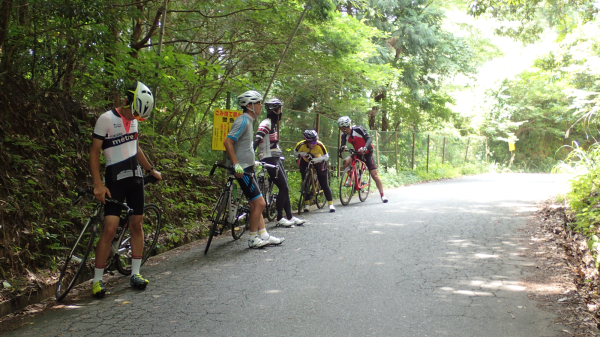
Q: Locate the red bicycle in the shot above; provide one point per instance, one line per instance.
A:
(355, 178)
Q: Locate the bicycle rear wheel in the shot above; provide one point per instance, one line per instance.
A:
(365, 181)
(271, 208)
(74, 269)
(218, 217)
(320, 199)
(151, 226)
(303, 191)
(346, 186)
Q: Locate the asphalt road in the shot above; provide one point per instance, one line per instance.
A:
(440, 259)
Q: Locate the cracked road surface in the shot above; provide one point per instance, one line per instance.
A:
(440, 259)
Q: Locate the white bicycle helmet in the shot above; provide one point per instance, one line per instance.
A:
(344, 121)
(248, 97)
(140, 99)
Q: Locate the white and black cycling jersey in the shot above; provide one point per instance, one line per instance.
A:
(119, 144)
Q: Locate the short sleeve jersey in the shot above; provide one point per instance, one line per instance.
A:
(317, 152)
(241, 134)
(119, 145)
(358, 138)
(269, 140)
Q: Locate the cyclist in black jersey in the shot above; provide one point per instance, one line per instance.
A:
(267, 142)
(116, 136)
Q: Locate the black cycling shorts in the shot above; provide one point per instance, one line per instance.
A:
(128, 189)
(368, 159)
(249, 185)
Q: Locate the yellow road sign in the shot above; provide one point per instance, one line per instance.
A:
(221, 125)
(511, 147)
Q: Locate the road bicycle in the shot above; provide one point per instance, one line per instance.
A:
(266, 188)
(230, 211)
(310, 188)
(355, 178)
(78, 266)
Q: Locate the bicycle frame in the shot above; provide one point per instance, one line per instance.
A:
(311, 171)
(354, 174)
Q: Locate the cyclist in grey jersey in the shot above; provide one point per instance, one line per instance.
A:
(238, 146)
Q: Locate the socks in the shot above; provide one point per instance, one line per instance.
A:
(136, 263)
(263, 234)
(98, 272)
(253, 235)
(330, 202)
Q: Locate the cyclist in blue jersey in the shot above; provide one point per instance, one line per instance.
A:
(116, 136)
(238, 146)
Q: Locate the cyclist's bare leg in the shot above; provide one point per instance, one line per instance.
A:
(256, 219)
(111, 222)
(347, 161)
(137, 235)
(375, 177)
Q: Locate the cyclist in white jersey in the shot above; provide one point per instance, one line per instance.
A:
(116, 135)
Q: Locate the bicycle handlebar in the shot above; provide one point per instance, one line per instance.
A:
(217, 164)
(352, 151)
(262, 163)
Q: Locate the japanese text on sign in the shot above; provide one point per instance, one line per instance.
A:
(221, 125)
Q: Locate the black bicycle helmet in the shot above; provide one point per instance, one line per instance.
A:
(310, 135)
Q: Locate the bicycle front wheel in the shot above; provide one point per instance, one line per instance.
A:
(346, 186)
(218, 217)
(74, 268)
(303, 191)
(365, 181)
(320, 199)
(241, 222)
(151, 225)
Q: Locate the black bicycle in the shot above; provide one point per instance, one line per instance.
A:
(228, 213)
(266, 188)
(231, 210)
(78, 266)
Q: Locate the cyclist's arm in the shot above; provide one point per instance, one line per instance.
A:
(228, 143)
(343, 142)
(99, 189)
(366, 137)
(263, 131)
(141, 157)
(322, 158)
(257, 141)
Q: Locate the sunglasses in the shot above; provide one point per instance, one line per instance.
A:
(312, 142)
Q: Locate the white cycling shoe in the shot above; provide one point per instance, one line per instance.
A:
(274, 241)
(283, 222)
(331, 208)
(297, 221)
(257, 242)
